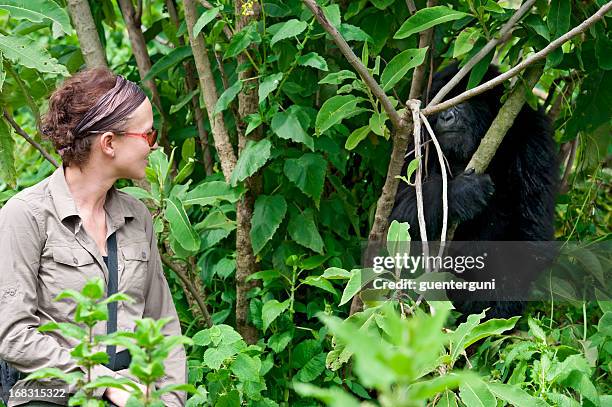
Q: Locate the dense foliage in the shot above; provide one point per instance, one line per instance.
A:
(313, 158)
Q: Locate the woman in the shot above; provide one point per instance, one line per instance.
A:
(53, 235)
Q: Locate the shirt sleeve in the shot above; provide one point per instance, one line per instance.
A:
(21, 344)
(159, 304)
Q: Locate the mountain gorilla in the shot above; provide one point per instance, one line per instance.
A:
(513, 201)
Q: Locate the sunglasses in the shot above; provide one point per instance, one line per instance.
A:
(150, 136)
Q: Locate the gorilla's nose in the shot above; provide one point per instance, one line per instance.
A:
(445, 120)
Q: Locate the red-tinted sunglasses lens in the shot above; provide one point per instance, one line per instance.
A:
(152, 137)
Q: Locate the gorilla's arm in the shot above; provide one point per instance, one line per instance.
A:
(468, 194)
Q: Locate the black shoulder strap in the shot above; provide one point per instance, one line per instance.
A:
(111, 323)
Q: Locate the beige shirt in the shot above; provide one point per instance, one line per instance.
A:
(45, 249)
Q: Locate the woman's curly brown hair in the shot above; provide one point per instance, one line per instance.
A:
(67, 106)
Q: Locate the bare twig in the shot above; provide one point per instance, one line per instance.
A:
(196, 295)
(482, 53)
(411, 7)
(568, 166)
(518, 68)
(425, 37)
(355, 62)
(29, 139)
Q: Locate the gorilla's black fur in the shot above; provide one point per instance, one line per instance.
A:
(513, 201)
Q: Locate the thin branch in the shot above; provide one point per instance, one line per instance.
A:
(518, 68)
(441, 159)
(425, 37)
(482, 53)
(197, 296)
(29, 139)
(138, 14)
(355, 62)
(568, 167)
(411, 7)
(414, 106)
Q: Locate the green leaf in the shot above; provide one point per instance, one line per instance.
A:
(356, 137)
(308, 174)
(269, 85)
(337, 78)
(241, 40)
(427, 18)
(536, 330)
(166, 62)
(479, 70)
(334, 110)
(317, 281)
(303, 230)
(279, 341)
(211, 193)
(227, 97)
(180, 226)
(312, 369)
(514, 395)
(288, 29)
(271, 310)
(559, 17)
(466, 41)
(24, 52)
(333, 396)
(287, 126)
(38, 11)
(475, 393)
(335, 273)
(397, 68)
(183, 101)
(7, 154)
(398, 239)
(252, 158)
(204, 19)
(352, 287)
(137, 192)
(268, 214)
(313, 60)
(352, 33)
(246, 368)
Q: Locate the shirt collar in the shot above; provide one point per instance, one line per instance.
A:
(66, 207)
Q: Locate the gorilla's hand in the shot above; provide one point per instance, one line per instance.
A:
(470, 193)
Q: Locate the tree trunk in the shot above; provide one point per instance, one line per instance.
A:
(83, 22)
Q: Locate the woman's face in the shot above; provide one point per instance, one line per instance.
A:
(132, 152)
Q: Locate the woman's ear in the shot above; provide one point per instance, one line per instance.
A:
(108, 142)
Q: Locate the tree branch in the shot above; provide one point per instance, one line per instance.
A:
(29, 139)
(482, 53)
(356, 63)
(87, 34)
(518, 68)
(207, 85)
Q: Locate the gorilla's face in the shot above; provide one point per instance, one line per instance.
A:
(460, 128)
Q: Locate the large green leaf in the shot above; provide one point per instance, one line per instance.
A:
(38, 11)
(303, 230)
(268, 85)
(180, 226)
(7, 157)
(427, 18)
(308, 173)
(289, 29)
(334, 110)
(252, 158)
(168, 61)
(271, 310)
(313, 60)
(352, 286)
(22, 51)
(287, 126)
(559, 17)
(356, 137)
(514, 395)
(475, 393)
(212, 192)
(227, 97)
(267, 216)
(204, 19)
(397, 68)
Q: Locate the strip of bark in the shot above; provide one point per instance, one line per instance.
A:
(207, 86)
(425, 37)
(29, 139)
(356, 63)
(506, 29)
(498, 80)
(190, 85)
(91, 46)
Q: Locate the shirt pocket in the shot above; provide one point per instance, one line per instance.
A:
(133, 276)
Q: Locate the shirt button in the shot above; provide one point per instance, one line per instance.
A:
(74, 259)
(144, 255)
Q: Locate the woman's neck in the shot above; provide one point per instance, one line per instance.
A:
(88, 188)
